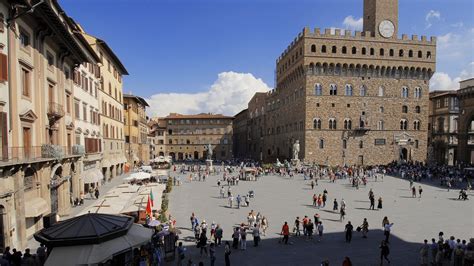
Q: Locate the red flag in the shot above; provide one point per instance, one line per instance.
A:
(148, 207)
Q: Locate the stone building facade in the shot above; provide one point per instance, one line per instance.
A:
(111, 108)
(349, 98)
(137, 147)
(240, 134)
(39, 169)
(443, 127)
(157, 133)
(188, 135)
(466, 122)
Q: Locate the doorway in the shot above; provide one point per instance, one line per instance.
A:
(404, 154)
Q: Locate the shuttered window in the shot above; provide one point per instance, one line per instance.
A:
(3, 67)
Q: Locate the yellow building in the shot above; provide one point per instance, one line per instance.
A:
(111, 108)
(39, 171)
(136, 130)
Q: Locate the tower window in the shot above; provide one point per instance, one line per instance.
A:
(344, 50)
(323, 49)
(313, 48)
(354, 50)
(372, 51)
(392, 53)
(364, 51)
(334, 49)
(382, 52)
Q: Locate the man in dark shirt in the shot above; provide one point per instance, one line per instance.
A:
(349, 229)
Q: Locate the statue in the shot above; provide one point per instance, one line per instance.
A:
(296, 149)
(278, 163)
(208, 148)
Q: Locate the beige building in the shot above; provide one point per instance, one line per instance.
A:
(39, 168)
(349, 98)
(157, 135)
(111, 108)
(187, 136)
(443, 127)
(137, 147)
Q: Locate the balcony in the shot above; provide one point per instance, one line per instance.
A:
(11, 155)
(55, 111)
(78, 150)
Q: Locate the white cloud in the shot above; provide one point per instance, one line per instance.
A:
(431, 16)
(457, 25)
(353, 23)
(442, 81)
(229, 95)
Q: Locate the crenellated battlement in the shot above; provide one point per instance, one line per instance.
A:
(340, 34)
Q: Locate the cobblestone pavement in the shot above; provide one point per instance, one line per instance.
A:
(282, 199)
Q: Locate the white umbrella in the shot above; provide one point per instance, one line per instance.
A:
(97, 253)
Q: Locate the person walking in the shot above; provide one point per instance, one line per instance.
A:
(413, 192)
(231, 200)
(379, 205)
(420, 190)
(227, 253)
(256, 235)
(243, 238)
(434, 251)
(312, 185)
(334, 206)
(203, 243)
(212, 254)
(218, 235)
(349, 229)
(235, 238)
(320, 228)
(285, 231)
(309, 229)
(181, 253)
(347, 262)
(372, 202)
(386, 231)
(365, 228)
(424, 254)
(41, 254)
(239, 199)
(297, 227)
(264, 225)
(343, 213)
(384, 252)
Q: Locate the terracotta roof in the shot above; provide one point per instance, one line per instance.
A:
(197, 116)
(138, 98)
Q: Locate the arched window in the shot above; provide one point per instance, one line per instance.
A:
(404, 92)
(400, 53)
(361, 144)
(417, 109)
(334, 49)
(313, 48)
(344, 50)
(372, 51)
(416, 125)
(420, 54)
(417, 93)
(363, 90)
(318, 89)
(410, 53)
(354, 50)
(381, 109)
(382, 52)
(364, 51)
(404, 109)
(428, 54)
(348, 90)
(344, 144)
(321, 143)
(380, 125)
(347, 124)
(403, 124)
(332, 89)
(317, 123)
(332, 124)
(392, 53)
(381, 91)
(323, 49)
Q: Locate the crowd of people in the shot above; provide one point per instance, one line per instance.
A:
(14, 257)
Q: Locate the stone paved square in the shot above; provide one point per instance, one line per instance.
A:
(282, 199)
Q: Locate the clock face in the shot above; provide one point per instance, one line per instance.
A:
(386, 28)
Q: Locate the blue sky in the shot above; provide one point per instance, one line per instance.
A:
(182, 46)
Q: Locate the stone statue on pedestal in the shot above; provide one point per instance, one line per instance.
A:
(296, 150)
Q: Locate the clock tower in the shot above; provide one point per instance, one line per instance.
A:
(381, 18)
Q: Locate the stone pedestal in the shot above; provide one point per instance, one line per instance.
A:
(295, 162)
(209, 165)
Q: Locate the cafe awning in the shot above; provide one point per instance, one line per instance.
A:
(106, 163)
(92, 176)
(35, 207)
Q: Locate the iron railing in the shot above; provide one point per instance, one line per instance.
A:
(46, 151)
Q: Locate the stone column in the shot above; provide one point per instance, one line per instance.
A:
(19, 204)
